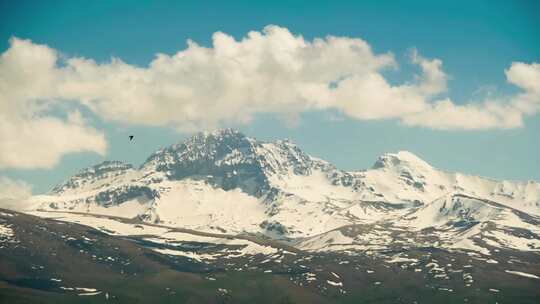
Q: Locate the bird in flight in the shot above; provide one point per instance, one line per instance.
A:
(131, 137)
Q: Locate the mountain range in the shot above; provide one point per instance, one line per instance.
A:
(224, 181)
(271, 200)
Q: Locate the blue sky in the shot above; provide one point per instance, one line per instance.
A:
(476, 42)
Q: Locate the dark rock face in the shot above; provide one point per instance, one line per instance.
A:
(226, 158)
(386, 161)
(274, 226)
(123, 194)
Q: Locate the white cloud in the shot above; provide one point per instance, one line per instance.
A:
(14, 189)
(504, 112)
(527, 77)
(445, 115)
(13, 193)
(29, 138)
(272, 71)
(40, 142)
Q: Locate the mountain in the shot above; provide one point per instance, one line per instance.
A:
(225, 202)
(224, 181)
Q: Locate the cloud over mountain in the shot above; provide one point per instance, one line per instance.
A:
(29, 88)
(14, 193)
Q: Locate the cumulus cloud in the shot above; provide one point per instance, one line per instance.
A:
(29, 137)
(445, 115)
(271, 71)
(503, 112)
(266, 72)
(527, 77)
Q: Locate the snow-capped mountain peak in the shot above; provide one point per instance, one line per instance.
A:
(229, 159)
(399, 160)
(228, 181)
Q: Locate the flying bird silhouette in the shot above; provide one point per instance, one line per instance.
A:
(131, 137)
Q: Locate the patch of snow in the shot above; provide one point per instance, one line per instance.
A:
(89, 293)
(399, 259)
(334, 283)
(523, 274)
(6, 232)
(192, 255)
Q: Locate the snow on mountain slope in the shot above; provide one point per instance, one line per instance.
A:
(456, 210)
(197, 205)
(224, 181)
(461, 220)
(454, 221)
(174, 240)
(403, 177)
